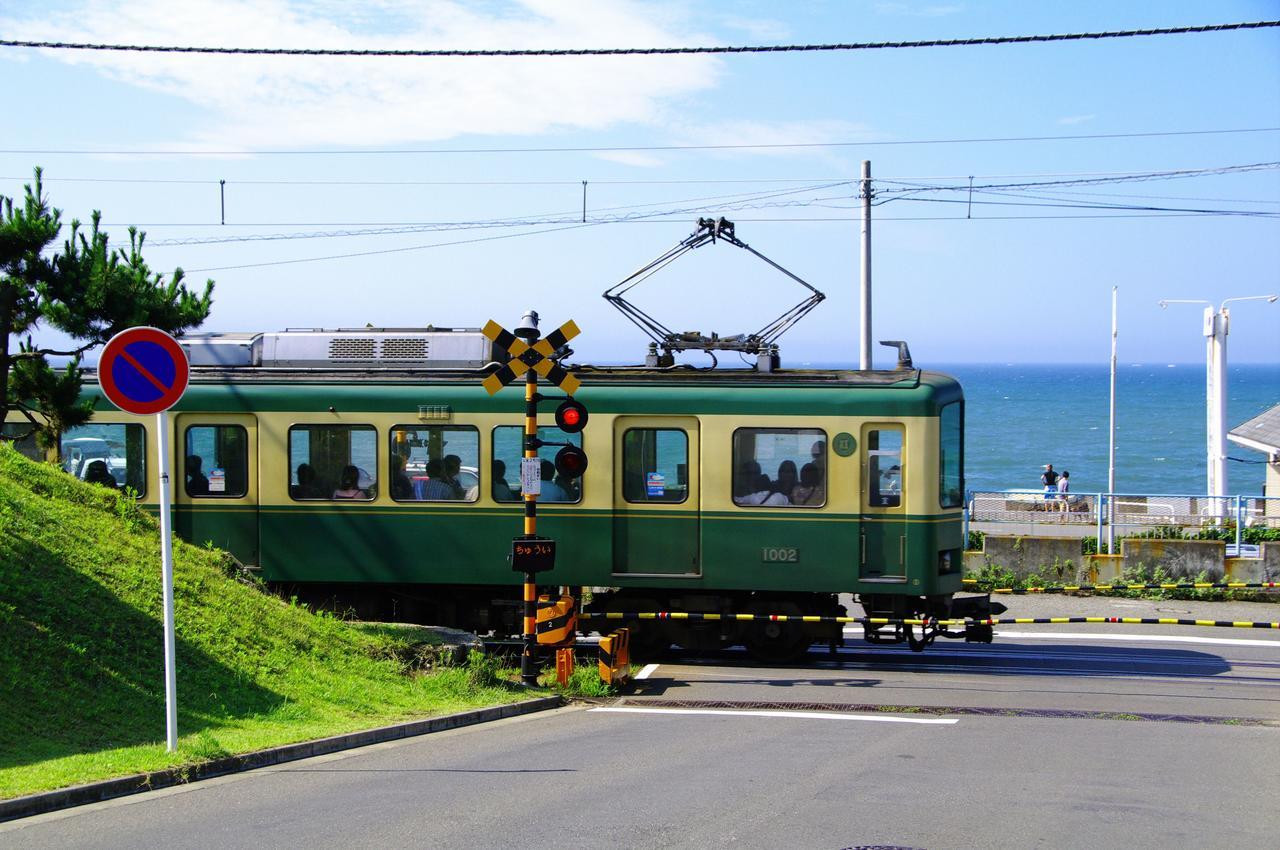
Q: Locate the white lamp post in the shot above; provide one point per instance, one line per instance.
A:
(1216, 326)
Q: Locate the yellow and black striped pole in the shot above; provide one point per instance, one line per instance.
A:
(532, 358)
(528, 663)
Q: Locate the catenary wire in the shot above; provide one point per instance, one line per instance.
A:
(626, 148)
(644, 51)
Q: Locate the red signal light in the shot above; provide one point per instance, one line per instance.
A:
(571, 416)
(571, 462)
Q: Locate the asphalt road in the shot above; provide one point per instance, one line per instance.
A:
(1057, 737)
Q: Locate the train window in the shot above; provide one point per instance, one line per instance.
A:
(216, 461)
(26, 442)
(334, 462)
(435, 463)
(884, 467)
(508, 442)
(111, 455)
(951, 455)
(780, 467)
(655, 465)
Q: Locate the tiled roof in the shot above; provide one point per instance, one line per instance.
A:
(1263, 428)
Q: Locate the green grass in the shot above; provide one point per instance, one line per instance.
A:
(82, 664)
(584, 681)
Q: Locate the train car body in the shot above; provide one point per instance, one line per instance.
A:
(707, 490)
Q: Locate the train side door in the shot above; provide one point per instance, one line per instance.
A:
(656, 524)
(884, 528)
(215, 486)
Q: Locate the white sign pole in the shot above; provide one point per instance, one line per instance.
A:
(166, 573)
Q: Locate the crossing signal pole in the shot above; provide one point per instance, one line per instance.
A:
(531, 554)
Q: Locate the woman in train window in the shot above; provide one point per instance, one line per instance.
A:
(348, 484)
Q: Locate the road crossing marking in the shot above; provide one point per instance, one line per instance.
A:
(1275, 644)
(646, 672)
(1123, 636)
(792, 715)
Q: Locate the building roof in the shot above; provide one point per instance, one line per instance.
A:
(1262, 432)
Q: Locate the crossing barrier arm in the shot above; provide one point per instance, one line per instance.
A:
(887, 621)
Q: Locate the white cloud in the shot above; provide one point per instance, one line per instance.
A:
(931, 11)
(265, 101)
(638, 159)
(775, 133)
(757, 29)
(1072, 120)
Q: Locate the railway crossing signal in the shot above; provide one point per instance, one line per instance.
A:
(532, 357)
(536, 356)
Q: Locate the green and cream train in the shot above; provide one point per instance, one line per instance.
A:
(370, 470)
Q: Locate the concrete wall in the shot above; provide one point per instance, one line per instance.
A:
(1181, 559)
(1060, 559)
(1055, 558)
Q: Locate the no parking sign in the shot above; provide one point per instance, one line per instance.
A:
(144, 371)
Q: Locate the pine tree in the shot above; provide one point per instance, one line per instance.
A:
(89, 291)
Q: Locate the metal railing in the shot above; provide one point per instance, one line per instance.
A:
(1126, 514)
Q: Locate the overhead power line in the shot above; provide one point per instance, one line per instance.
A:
(628, 148)
(640, 51)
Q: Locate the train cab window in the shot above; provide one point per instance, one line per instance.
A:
(435, 463)
(655, 465)
(884, 467)
(333, 462)
(111, 455)
(508, 442)
(216, 461)
(951, 455)
(780, 467)
(24, 439)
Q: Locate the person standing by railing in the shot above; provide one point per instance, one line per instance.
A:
(1049, 479)
(1064, 490)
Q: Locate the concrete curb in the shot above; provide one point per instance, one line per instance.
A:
(95, 792)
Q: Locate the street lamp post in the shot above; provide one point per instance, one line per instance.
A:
(1216, 327)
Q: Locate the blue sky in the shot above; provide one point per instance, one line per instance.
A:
(315, 147)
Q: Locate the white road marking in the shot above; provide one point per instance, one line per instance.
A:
(1124, 637)
(646, 672)
(794, 715)
(1275, 644)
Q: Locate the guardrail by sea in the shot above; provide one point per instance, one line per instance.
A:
(1111, 515)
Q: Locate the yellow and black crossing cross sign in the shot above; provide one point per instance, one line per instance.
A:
(536, 357)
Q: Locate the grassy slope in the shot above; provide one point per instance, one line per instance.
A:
(81, 657)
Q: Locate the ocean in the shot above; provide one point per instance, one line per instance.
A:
(1020, 417)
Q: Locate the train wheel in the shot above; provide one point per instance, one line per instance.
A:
(776, 643)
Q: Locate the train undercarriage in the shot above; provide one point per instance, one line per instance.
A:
(496, 611)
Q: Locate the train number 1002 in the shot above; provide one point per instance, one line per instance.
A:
(780, 555)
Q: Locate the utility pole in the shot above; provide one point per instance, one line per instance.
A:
(1111, 443)
(1111, 452)
(864, 336)
(1216, 325)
